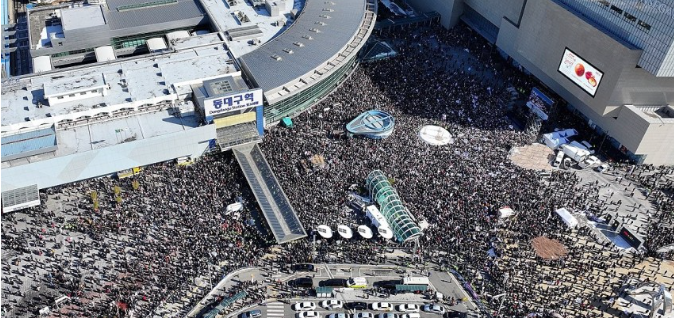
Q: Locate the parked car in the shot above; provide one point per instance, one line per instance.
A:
(335, 282)
(601, 168)
(332, 304)
(387, 284)
(356, 305)
(252, 314)
(304, 306)
(338, 315)
(434, 308)
(304, 267)
(364, 315)
(308, 314)
(384, 306)
(412, 315)
(408, 308)
(387, 315)
(306, 282)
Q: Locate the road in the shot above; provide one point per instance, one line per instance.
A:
(275, 306)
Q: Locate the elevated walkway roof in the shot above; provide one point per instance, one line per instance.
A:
(275, 206)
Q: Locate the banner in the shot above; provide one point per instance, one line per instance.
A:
(223, 104)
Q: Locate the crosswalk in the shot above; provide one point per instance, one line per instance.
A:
(275, 309)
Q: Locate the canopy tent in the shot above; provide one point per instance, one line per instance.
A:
(287, 122)
(365, 231)
(324, 292)
(567, 218)
(505, 212)
(411, 288)
(558, 138)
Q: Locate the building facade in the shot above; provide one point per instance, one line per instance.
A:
(626, 46)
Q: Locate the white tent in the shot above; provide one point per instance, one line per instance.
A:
(435, 135)
(558, 138)
(505, 212)
(365, 231)
(234, 207)
(324, 231)
(566, 216)
(344, 231)
(385, 232)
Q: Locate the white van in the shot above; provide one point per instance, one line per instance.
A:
(356, 282)
(558, 159)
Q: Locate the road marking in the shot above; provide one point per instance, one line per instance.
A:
(329, 272)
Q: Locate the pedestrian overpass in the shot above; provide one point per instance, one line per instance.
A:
(280, 215)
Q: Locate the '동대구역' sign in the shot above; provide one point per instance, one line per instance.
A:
(235, 101)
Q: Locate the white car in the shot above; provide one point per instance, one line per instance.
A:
(338, 315)
(382, 306)
(304, 306)
(308, 314)
(387, 315)
(408, 308)
(364, 315)
(601, 168)
(332, 304)
(412, 315)
(434, 308)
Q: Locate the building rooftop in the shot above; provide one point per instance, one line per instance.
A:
(258, 17)
(654, 114)
(82, 17)
(122, 14)
(320, 31)
(196, 41)
(64, 85)
(105, 134)
(151, 79)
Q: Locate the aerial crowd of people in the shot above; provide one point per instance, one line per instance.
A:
(143, 246)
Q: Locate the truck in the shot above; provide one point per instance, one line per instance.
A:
(558, 158)
(416, 281)
(575, 153)
(589, 162)
(377, 219)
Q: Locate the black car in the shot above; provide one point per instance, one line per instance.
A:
(304, 267)
(455, 314)
(387, 284)
(334, 282)
(356, 305)
(302, 282)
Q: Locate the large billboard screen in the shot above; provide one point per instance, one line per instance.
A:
(580, 72)
(540, 103)
(223, 104)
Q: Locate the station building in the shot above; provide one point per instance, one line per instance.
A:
(108, 96)
(626, 46)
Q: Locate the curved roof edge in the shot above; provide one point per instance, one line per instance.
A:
(325, 36)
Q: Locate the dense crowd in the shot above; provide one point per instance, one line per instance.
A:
(135, 254)
(144, 248)
(457, 189)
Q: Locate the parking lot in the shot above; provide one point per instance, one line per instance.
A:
(364, 298)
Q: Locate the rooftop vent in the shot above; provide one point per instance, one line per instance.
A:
(308, 37)
(276, 57)
(328, 9)
(289, 51)
(315, 30)
(300, 44)
(325, 16)
(321, 23)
